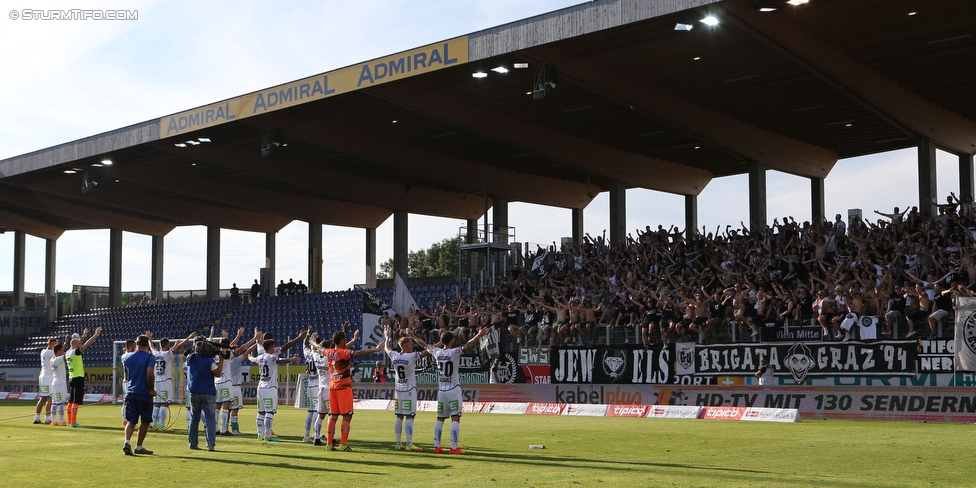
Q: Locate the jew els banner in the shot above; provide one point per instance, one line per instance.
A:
(609, 365)
(800, 360)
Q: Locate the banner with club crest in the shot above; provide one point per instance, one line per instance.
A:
(965, 359)
(621, 364)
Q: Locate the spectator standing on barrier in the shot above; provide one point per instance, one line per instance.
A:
(76, 373)
(766, 371)
(202, 372)
(235, 295)
(140, 381)
(945, 301)
(895, 309)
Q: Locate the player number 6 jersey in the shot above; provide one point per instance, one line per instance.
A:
(405, 369)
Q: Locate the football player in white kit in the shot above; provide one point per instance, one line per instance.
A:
(404, 364)
(229, 399)
(324, 377)
(164, 377)
(59, 384)
(268, 388)
(44, 383)
(312, 385)
(449, 401)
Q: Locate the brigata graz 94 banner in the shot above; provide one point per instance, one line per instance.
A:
(799, 360)
(617, 364)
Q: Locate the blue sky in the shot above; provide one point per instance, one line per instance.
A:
(66, 80)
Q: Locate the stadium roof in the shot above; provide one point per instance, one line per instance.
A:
(607, 91)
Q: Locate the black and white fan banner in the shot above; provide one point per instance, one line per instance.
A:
(965, 359)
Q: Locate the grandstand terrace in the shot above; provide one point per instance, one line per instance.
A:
(552, 110)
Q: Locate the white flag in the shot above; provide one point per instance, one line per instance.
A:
(402, 300)
(965, 359)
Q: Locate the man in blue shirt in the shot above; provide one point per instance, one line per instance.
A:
(202, 372)
(139, 393)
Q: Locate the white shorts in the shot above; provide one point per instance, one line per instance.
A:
(44, 386)
(405, 402)
(236, 397)
(223, 391)
(849, 321)
(449, 403)
(164, 392)
(267, 400)
(59, 393)
(939, 314)
(323, 400)
(312, 394)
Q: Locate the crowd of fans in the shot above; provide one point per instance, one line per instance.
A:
(661, 286)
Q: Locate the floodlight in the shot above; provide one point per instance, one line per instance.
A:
(710, 20)
(500, 70)
(479, 74)
(683, 27)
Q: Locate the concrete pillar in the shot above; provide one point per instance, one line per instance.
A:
(965, 176)
(50, 279)
(691, 217)
(499, 217)
(817, 208)
(927, 182)
(20, 262)
(472, 235)
(757, 195)
(314, 282)
(618, 213)
(578, 226)
(269, 282)
(400, 248)
(371, 258)
(213, 262)
(115, 267)
(156, 285)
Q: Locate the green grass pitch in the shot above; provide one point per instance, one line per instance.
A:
(579, 451)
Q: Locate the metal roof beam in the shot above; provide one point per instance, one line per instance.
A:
(281, 167)
(630, 169)
(899, 106)
(82, 213)
(331, 212)
(188, 213)
(733, 136)
(31, 226)
(511, 185)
